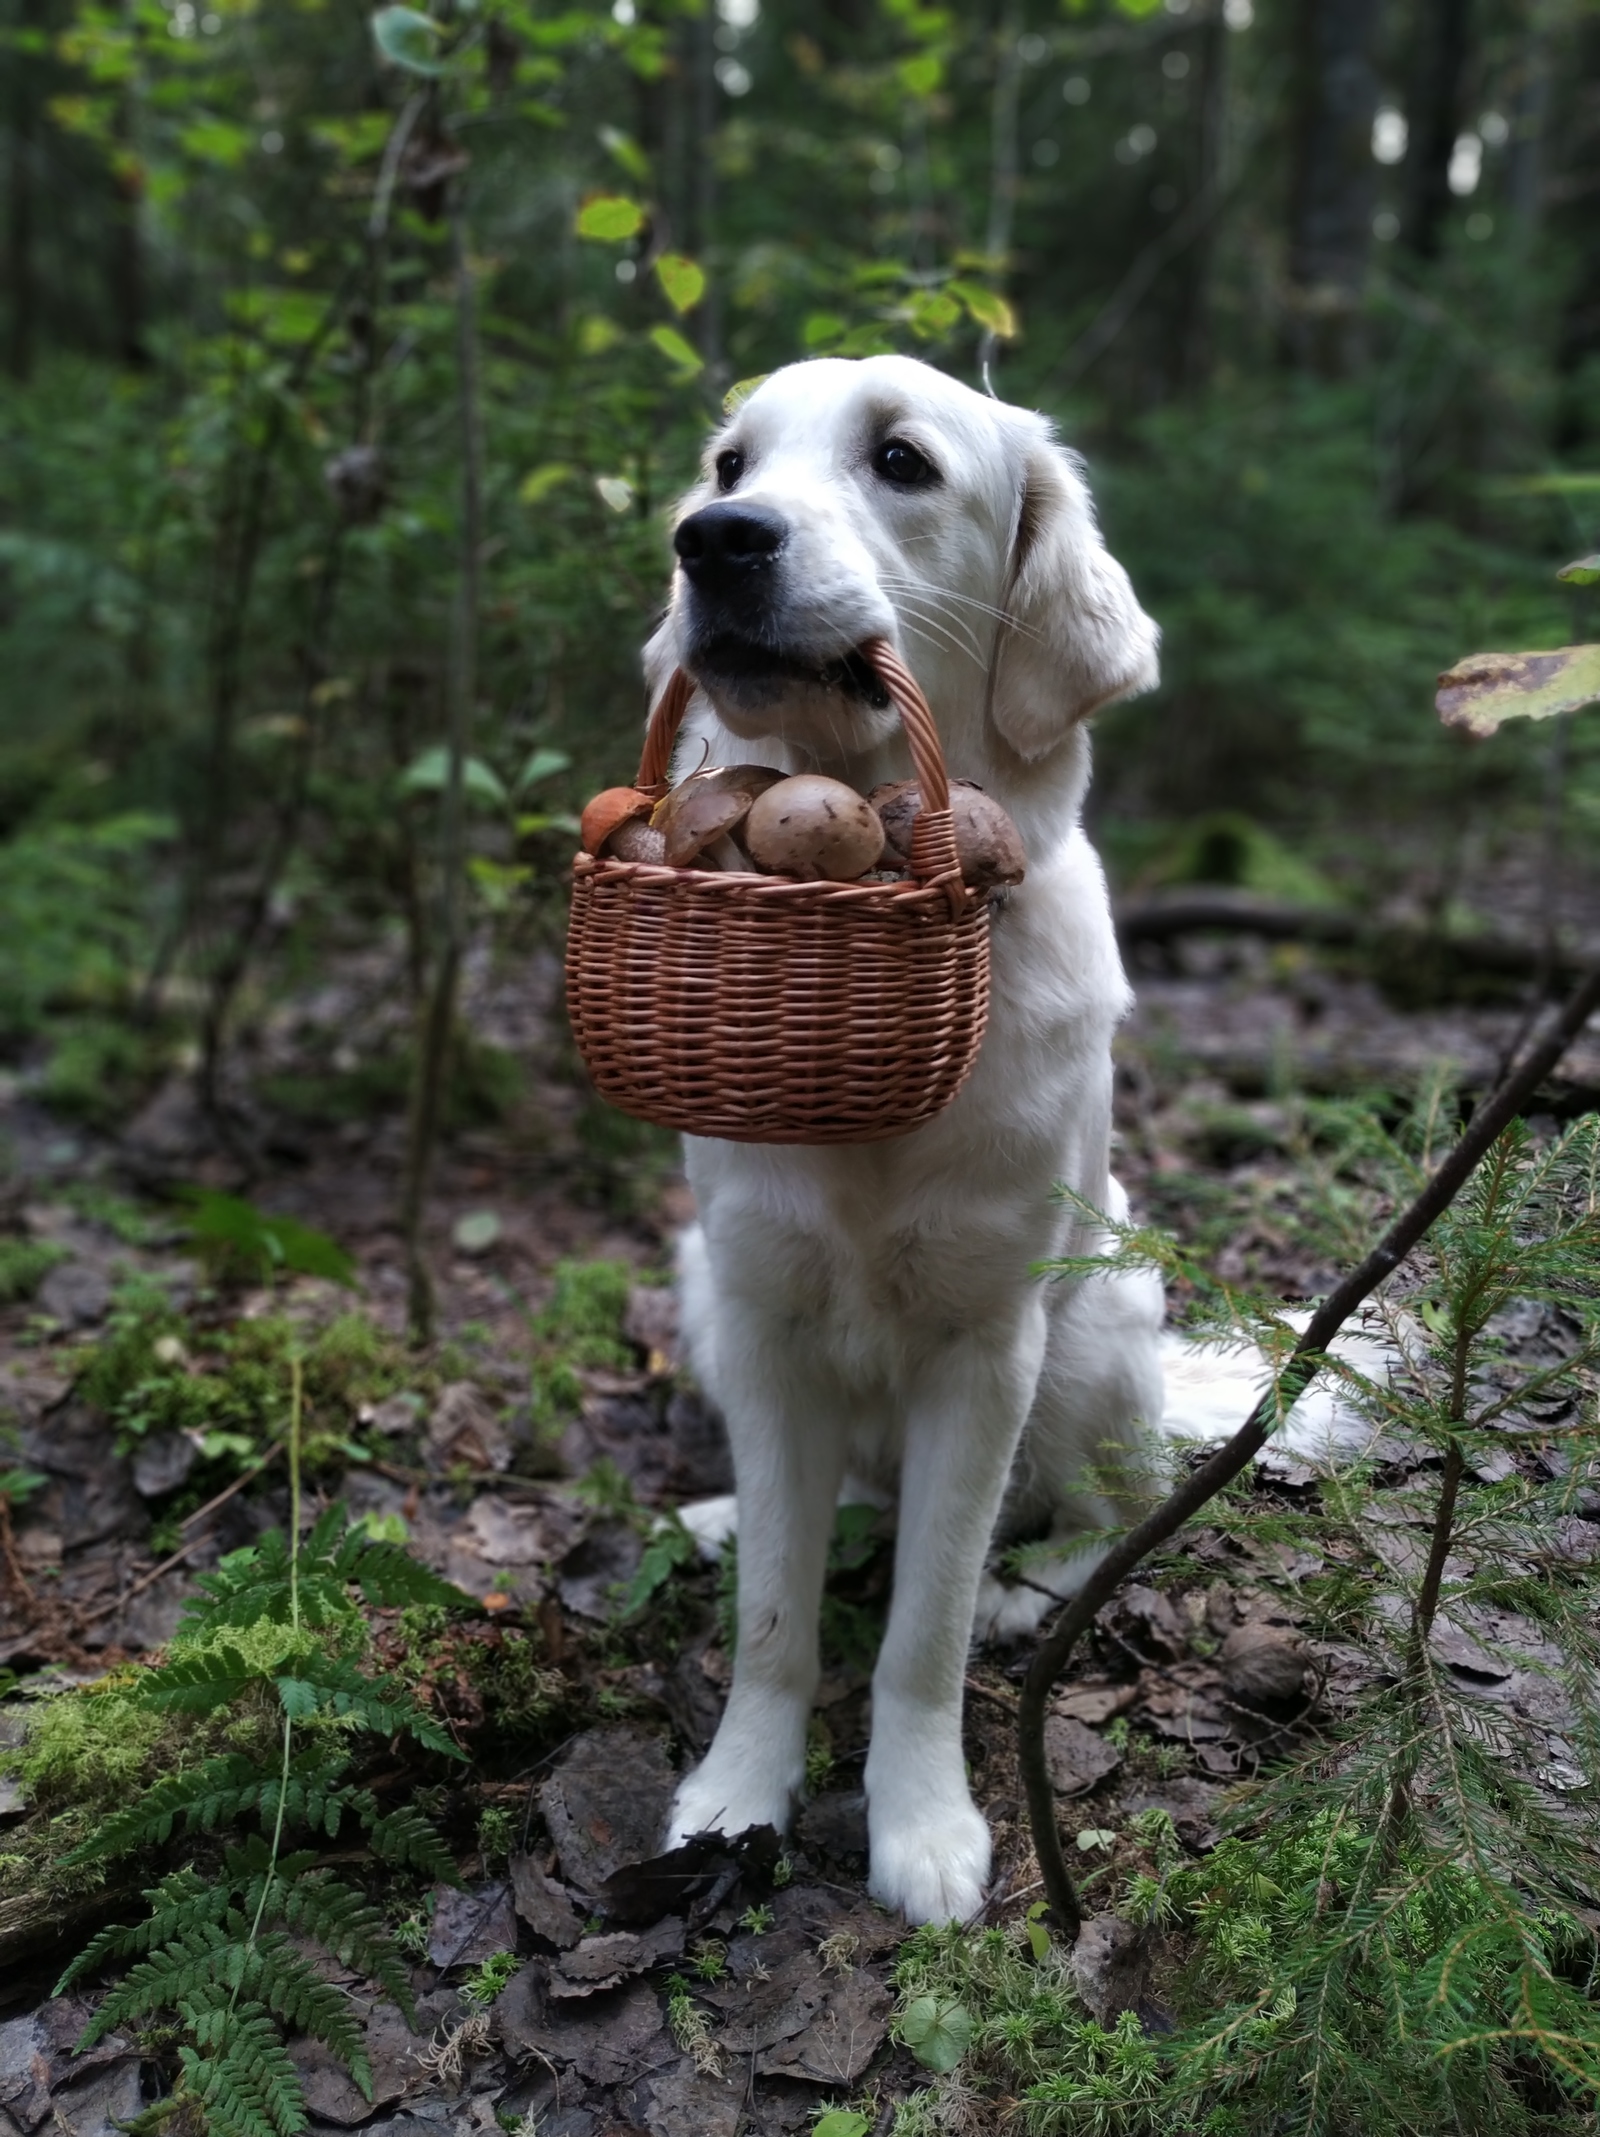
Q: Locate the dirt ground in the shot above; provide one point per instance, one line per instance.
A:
(790, 1969)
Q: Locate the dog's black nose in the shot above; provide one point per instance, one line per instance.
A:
(720, 546)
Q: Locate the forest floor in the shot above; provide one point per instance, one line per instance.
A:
(540, 1503)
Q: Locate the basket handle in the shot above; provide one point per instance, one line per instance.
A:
(933, 840)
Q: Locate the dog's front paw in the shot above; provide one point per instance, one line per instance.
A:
(933, 1868)
(727, 1796)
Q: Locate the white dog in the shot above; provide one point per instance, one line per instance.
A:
(871, 1310)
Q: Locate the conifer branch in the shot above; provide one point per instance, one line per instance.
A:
(1219, 1469)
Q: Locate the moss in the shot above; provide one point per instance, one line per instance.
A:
(580, 1329)
(91, 1750)
(154, 1372)
(24, 1265)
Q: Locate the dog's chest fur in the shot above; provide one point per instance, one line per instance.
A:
(880, 1253)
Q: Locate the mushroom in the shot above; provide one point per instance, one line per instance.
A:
(608, 812)
(809, 826)
(636, 841)
(987, 842)
(697, 818)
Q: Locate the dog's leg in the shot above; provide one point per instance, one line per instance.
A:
(930, 1846)
(1091, 1458)
(787, 1426)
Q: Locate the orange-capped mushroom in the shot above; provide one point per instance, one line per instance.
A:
(617, 805)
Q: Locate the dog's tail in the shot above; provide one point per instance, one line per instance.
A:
(1210, 1393)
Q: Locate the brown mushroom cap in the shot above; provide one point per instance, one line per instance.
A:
(617, 805)
(704, 808)
(810, 826)
(636, 840)
(691, 818)
(987, 841)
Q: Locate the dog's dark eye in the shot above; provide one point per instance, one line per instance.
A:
(898, 462)
(730, 466)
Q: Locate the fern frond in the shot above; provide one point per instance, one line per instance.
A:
(179, 1903)
(335, 1685)
(272, 1972)
(203, 1956)
(244, 1586)
(249, 2087)
(202, 1683)
(219, 1792)
(406, 1837)
(388, 1576)
(344, 1923)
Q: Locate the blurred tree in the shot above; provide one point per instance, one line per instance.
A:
(1332, 183)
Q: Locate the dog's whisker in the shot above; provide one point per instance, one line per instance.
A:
(956, 634)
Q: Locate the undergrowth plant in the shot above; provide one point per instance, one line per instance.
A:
(1397, 1935)
(274, 1637)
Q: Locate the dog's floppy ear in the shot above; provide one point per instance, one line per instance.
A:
(1074, 637)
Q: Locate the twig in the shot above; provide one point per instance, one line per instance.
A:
(236, 1486)
(1219, 1469)
(148, 1580)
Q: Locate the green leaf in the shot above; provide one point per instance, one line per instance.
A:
(1038, 1935)
(217, 141)
(627, 152)
(477, 1231)
(841, 2122)
(671, 1545)
(684, 281)
(615, 491)
(1483, 691)
(1585, 572)
(408, 39)
(987, 307)
(938, 2031)
(1095, 1836)
(540, 481)
(921, 75)
(264, 1241)
(609, 218)
(430, 772)
(677, 351)
(299, 1698)
(740, 391)
(542, 764)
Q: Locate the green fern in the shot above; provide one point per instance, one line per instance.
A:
(254, 1585)
(248, 2087)
(275, 1628)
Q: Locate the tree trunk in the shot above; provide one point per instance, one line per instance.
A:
(1209, 176)
(1330, 225)
(19, 277)
(1438, 84)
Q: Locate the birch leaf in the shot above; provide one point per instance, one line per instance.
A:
(1483, 691)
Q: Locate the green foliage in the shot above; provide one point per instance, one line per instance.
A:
(77, 903)
(1396, 1935)
(274, 1632)
(155, 1371)
(24, 1265)
(237, 1239)
(579, 1329)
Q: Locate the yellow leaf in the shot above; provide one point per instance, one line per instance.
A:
(1483, 691)
(540, 481)
(683, 280)
(608, 218)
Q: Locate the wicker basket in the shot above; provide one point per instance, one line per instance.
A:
(764, 1010)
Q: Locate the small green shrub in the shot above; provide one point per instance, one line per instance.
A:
(579, 1329)
(24, 1265)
